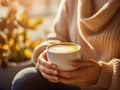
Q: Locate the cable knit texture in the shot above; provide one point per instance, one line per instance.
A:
(95, 26)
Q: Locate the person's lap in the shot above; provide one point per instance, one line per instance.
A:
(31, 79)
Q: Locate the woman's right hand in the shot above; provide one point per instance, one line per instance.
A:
(47, 69)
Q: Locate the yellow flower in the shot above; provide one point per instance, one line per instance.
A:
(5, 47)
(33, 23)
(27, 53)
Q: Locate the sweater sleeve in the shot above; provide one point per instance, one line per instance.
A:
(59, 31)
(110, 75)
(40, 48)
(59, 28)
(115, 85)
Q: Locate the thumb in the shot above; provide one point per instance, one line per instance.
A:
(82, 63)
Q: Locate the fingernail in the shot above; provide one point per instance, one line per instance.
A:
(56, 78)
(74, 63)
(54, 66)
(55, 72)
(36, 66)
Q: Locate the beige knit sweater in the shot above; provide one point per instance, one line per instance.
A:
(95, 25)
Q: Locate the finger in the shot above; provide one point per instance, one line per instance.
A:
(37, 66)
(44, 62)
(44, 54)
(54, 81)
(69, 81)
(70, 74)
(65, 81)
(82, 85)
(50, 77)
(82, 63)
(47, 70)
(79, 73)
(67, 75)
(76, 81)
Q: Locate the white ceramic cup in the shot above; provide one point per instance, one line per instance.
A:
(62, 53)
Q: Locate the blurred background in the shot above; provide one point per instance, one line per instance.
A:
(23, 25)
(47, 9)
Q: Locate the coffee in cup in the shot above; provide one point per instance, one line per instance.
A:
(62, 53)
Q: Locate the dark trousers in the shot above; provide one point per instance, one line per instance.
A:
(31, 79)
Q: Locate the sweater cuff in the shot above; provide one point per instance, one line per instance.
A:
(105, 75)
(40, 48)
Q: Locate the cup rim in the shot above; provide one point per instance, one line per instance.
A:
(64, 43)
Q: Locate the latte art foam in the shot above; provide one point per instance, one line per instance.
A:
(65, 48)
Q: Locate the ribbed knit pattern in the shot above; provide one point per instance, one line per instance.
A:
(101, 32)
(98, 5)
(100, 18)
(95, 26)
(116, 75)
(108, 71)
(97, 30)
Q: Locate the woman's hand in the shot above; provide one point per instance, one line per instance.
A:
(86, 75)
(47, 69)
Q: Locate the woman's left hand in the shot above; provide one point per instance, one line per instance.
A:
(87, 74)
